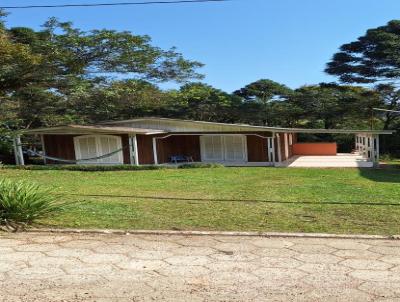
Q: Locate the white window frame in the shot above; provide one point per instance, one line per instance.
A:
(97, 137)
(244, 145)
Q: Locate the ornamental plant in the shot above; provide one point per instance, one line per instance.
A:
(22, 203)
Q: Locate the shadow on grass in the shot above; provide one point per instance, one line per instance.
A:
(383, 174)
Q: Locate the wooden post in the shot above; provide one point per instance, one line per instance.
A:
(269, 150)
(43, 148)
(372, 147)
(377, 150)
(271, 144)
(278, 138)
(285, 136)
(19, 155)
(15, 151)
(131, 156)
(155, 150)
(133, 150)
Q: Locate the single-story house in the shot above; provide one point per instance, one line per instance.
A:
(153, 141)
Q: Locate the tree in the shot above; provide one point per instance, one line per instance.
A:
(71, 51)
(373, 57)
(390, 99)
(117, 100)
(17, 64)
(203, 102)
(330, 105)
(261, 94)
(40, 71)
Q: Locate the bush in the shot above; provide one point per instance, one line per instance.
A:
(101, 168)
(22, 203)
(91, 168)
(199, 165)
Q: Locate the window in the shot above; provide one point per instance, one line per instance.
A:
(223, 148)
(90, 146)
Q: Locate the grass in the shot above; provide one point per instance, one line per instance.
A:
(393, 162)
(243, 199)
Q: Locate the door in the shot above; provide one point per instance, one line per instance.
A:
(235, 149)
(212, 148)
(217, 148)
(90, 146)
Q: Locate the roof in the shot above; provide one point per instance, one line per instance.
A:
(80, 129)
(155, 125)
(245, 127)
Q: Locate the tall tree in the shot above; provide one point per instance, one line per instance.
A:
(390, 99)
(117, 100)
(335, 106)
(261, 94)
(199, 101)
(374, 57)
(40, 70)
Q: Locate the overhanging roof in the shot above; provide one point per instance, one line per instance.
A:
(332, 131)
(245, 127)
(148, 126)
(79, 129)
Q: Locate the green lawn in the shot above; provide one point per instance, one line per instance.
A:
(393, 162)
(250, 199)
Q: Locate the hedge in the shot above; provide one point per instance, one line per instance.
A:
(100, 168)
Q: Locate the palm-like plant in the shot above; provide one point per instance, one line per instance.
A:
(22, 203)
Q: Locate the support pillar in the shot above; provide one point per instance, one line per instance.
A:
(155, 150)
(133, 150)
(19, 156)
(271, 149)
(285, 136)
(278, 139)
(43, 148)
(377, 155)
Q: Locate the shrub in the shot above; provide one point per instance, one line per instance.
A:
(22, 203)
(199, 165)
(91, 168)
(100, 168)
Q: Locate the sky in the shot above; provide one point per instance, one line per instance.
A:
(240, 41)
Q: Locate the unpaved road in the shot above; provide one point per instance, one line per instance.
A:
(82, 267)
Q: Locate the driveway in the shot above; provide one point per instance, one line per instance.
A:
(82, 267)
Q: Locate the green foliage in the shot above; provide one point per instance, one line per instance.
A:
(104, 168)
(263, 94)
(334, 106)
(71, 51)
(373, 57)
(200, 165)
(91, 168)
(118, 100)
(202, 102)
(22, 203)
(43, 74)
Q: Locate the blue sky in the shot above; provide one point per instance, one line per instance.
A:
(288, 41)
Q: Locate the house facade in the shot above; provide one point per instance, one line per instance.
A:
(153, 141)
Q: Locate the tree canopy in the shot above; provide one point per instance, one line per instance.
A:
(261, 93)
(371, 58)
